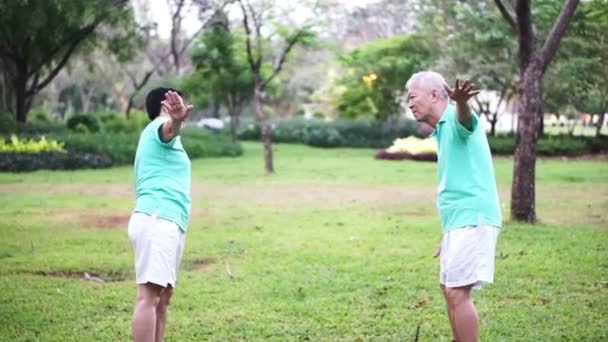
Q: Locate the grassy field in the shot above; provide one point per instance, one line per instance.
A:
(335, 247)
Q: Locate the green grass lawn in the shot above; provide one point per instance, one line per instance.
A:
(336, 246)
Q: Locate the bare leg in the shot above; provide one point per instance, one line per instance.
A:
(450, 314)
(465, 322)
(144, 316)
(161, 313)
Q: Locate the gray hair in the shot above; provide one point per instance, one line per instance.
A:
(428, 80)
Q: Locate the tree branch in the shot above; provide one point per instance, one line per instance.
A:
(527, 37)
(252, 64)
(508, 16)
(257, 24)
(557, 32)
(176, 25)
(35, 88)
(279, 65)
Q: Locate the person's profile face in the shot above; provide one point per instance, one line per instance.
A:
(420, 101)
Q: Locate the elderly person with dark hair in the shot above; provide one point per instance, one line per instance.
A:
(157, 228)
(467, 198)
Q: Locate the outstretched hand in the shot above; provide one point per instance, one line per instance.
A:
(175, 107)
(462, 92)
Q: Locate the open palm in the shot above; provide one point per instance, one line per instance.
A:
(462, 92)
(175, 107)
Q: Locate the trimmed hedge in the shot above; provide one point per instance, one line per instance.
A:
(558, 145)
(87, 120)
(24, 162)
(121, 147)
(339, 133)
(106, 150)
(374, 134)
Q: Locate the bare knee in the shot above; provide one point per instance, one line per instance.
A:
(457, 295)
(148, 294)
(165, 299)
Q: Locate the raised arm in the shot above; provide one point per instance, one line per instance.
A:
(178, 112)
(462, 92)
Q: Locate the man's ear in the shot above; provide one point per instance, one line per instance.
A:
(434, 95)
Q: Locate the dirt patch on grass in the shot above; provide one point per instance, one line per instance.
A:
(97, 190)
(583, 204)
(108, 222)
(90, 219)
(307, 194)
(200, 264)
(101, 278)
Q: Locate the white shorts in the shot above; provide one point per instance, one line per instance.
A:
(158, 246)
(467, 256)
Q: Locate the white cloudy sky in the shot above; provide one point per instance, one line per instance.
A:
(158, 12)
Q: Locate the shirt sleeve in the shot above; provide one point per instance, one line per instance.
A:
(156, 127)
(464, 132)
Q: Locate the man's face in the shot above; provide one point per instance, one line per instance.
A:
(420, 101)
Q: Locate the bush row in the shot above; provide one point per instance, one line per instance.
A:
(23, 162)
(339, 133)
(378, 135)
(558, 145)
(106, 149)
(95, 122)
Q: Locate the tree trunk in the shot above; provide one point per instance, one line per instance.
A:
(493, 125)
(21, 99)
(215, 111)
(600, 122)
(541, 123)
(264, 127)
(85, 99)
(523, 205)
(129, 106)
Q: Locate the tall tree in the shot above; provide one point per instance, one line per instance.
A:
(472, 40)
(373, 75)
(38, 37)
(533, 62)
(260, 57)
(221, 73)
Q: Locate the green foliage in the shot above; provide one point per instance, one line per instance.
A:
(55, 30)
(26, 162)
(7, 123)
(88, 121)
(375, 75)
(579, 77)
(117, 123)
(121, 147)
(204, 144)
(95, 150)
(39, 115)
(561, 145)
(16, 145)
(471, 39)
(222, 73)
(339, 133)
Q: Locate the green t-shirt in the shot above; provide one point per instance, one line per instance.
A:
(162, 176)
(467, 194)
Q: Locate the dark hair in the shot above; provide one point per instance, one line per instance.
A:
(154, 98)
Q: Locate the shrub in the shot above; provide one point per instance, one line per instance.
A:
(38, 115)
(339, 133)
(553, 145)
(7, 122)
(24, 162)
(17, 145)
(37, 128)
(116, 124)
(89, 121)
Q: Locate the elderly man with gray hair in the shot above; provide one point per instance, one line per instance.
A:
(467, 198)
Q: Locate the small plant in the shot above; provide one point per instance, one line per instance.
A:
(17, 145)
